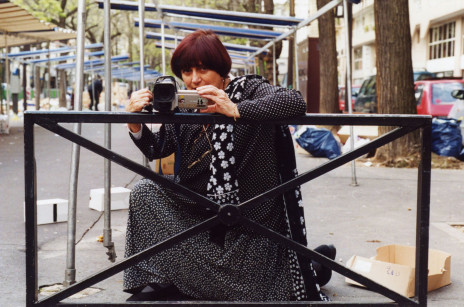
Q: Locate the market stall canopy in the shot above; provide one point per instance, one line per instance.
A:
(21, 28)
(219, 30)
(34, 53)
(66, 57)
(92, 62)
(209, 14)
(229, 46)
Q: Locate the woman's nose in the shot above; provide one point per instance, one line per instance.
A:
(196, 78)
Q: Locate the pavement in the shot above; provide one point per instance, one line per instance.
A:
(380, 210)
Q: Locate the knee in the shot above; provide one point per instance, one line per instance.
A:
(141, 191)
(143, 185)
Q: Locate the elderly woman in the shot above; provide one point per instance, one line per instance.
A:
(228, 164)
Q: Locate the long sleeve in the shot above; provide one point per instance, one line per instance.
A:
(155, 145)
(263, 101)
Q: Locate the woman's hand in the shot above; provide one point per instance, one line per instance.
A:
(220, 102)
(138, 100)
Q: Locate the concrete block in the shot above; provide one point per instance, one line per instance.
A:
(4, 124)
(51, 211)
(119, 199)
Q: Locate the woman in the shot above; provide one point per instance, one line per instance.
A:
(229, 164)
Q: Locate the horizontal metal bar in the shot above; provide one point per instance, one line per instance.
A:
(326, 167)
(333, 265)
(126, 263)
(409, 120)
(238, 304)
(129, 164)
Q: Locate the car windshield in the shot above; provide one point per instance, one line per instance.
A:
(441, 92)
(423, 75)
(368, 87)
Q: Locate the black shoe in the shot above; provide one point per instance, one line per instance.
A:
(155, 292)
(323, 273)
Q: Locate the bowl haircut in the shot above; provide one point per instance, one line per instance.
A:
(201, 48)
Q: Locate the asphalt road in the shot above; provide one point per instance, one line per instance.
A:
(381, 210)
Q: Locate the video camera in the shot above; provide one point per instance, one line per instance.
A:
(166, 97)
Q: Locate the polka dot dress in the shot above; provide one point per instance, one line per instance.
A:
(247, 266)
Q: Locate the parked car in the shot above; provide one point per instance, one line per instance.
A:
(366, 102)
(342, 93)
(434, 97)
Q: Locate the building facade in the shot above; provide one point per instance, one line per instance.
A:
(437, 36)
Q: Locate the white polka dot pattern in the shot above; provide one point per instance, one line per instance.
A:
(249, 267)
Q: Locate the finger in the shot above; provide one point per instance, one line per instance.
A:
(210, 109)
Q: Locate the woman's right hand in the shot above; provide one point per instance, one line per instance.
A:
(138, 100)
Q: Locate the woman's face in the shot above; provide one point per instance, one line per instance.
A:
(200, 76)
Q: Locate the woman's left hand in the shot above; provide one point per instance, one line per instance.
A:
(220, 101)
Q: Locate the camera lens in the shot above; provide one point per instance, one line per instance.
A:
(164, 92)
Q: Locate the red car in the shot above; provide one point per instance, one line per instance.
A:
(341, 96)
(434, 98)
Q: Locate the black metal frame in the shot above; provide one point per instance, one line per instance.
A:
(228, 215)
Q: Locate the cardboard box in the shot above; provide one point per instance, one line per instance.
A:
(167, 165)
(365, 132)
(393, 267)
(50, 211)
(119, 199)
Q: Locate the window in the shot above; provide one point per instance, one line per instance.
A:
(358, 59)
(441, 92)
(418, 93)
(442, 40)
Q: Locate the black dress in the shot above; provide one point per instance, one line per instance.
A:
(247, 266)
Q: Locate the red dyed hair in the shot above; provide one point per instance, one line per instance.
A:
(201, 48)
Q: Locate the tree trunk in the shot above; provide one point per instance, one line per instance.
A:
(395, 86)
(37, 87)
(291, 51)
(328, 61)
(62, 84)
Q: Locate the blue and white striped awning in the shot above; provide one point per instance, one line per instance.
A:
(92, 62)
(220, 30)
(209, 14)
(229, 46)
(26, 54)
(66, 57)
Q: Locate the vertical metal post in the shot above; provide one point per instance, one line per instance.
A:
(107, 235)
(274, 79)
(142, 56)
(354, 181)
(70, 273)
(163, 53)
(7, 75)
(30, 179)
(36, 69)
(297, 75)
(423, 216)
(49, 80)
(142, 40)
(24, 87)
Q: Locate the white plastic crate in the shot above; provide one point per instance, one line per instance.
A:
(119, 199)
(51, 211)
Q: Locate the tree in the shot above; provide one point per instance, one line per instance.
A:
(265, 61)
(63, 13)
(395, 86)
(328, 61)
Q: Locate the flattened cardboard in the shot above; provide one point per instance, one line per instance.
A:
(393, 267)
